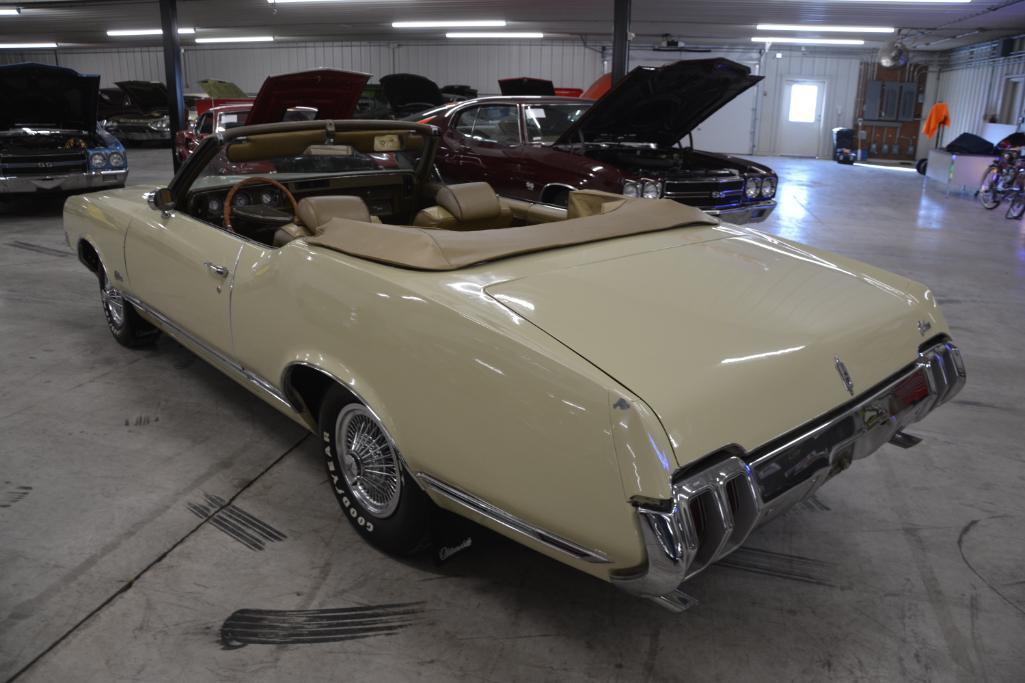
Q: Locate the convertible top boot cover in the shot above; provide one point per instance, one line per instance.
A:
(428, 249)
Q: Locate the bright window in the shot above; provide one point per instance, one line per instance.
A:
(804, 99)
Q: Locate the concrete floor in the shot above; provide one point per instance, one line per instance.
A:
(911, 566)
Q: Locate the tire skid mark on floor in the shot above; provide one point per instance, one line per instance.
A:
(287, 627)
(244, 527)
(813, 504)
(13, 494)
(38, 248)
(781, 566)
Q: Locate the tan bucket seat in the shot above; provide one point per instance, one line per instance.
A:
(466, 206)
(314, 212)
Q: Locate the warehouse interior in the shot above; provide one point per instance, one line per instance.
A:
(159, 521)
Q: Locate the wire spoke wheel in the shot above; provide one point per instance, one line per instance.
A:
(370, 462)
(113, 304)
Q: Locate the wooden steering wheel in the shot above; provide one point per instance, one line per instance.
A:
(256, 179)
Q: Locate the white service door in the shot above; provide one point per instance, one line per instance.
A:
(800, 128)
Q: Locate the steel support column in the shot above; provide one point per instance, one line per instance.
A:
(173, 71)
(620, 40)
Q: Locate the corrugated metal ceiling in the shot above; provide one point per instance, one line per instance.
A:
(698, 22)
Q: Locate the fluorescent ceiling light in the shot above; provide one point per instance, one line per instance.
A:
(497, 34)
(26, 46)
(237, 39)
(807, 41)
(473, 23)
(816, 28)
(924, 2)
(9, 12)
(147, 32)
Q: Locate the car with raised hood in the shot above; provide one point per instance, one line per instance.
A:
(147, 118)
(409, 94)
(630, 387)
(541, 148)
(320, 93)
(49, 138)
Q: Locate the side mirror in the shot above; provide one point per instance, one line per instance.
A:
(161, 200)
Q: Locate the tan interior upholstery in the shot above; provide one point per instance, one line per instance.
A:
(315, 212)
(534, 212)
(467, 206)
(414, 247)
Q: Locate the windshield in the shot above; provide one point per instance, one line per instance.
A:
(309, 153)
(547, 122)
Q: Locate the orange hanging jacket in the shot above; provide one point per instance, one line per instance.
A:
(939, 115)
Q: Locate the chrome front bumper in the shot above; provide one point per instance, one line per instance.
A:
(752, 213)
(717, 504)
(69, 182)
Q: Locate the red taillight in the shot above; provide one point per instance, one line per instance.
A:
(913, 389)
(427, 120)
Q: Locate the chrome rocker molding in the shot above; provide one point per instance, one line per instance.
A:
(177, 331)
(716, 507)
(510, 521)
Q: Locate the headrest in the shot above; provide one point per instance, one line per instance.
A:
(469, 201)
(316, 211)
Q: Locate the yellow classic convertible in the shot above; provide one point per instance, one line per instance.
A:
(626, 385)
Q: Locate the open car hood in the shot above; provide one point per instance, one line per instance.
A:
(525, 85)
(146, 95)
(661, 104)
(402, 90)
(332, 93)
(47, 96)
(216, 89)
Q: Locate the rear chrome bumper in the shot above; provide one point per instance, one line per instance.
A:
(67, 182)
(717, 504)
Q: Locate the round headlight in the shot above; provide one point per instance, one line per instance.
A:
(631, 189)
(768, 187)
(97, 159)
(651, 189)
(117, 160)
(753, 188)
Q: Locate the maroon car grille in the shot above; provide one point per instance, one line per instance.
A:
(43, 164)
(706, 193)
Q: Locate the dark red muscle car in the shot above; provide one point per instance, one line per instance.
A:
(630, 141)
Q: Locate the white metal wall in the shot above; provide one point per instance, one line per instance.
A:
(122, 64)
(841, 76)
(973, 93)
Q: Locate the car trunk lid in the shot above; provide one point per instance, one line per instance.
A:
(734, 340)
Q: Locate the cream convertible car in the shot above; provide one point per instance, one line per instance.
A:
(625, 385)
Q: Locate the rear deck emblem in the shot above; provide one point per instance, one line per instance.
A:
(923, 327)
(845, 376)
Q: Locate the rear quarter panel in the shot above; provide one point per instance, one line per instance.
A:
(471, 393)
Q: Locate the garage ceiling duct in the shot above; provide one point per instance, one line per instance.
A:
(893, 54)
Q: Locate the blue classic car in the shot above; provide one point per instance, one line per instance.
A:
(49, 137)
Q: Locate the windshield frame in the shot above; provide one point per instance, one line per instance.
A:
(194, 167)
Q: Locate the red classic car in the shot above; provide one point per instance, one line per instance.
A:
(630, 141)
(321, 93)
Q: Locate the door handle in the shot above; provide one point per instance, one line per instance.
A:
(220, 271)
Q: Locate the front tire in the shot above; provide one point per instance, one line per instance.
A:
(124, 322)
(988, 195)
(376, 493)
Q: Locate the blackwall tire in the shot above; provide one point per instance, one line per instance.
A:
(988, 197)
(377, 495)
(124, 322)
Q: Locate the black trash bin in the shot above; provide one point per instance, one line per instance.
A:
(844, 149)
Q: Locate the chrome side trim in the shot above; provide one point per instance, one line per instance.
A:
(510, 521)
(227, 363)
